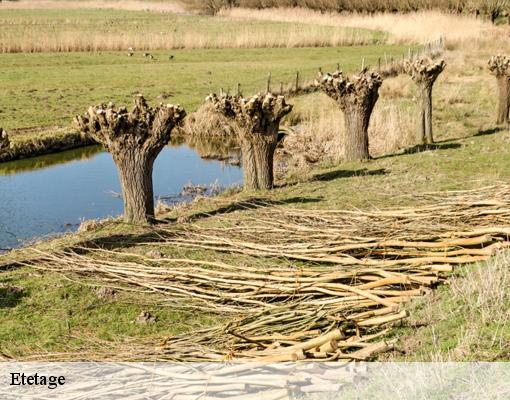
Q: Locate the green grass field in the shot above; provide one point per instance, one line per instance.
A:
(49, 89)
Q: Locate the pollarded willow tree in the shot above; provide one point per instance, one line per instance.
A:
(258, 120)
(499, 66)
(134, 140)
(424, 73)
(4, 140)
(356, 97)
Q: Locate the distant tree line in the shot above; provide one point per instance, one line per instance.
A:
(490, 8)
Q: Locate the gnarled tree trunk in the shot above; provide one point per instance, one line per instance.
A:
(258, 120)
(356, 121)
(424, 73)
(424, 133)
(134, 139)
(135, 173)
(356, 97)
(258, 168)
(499, 66)
(503, 99)
(250, 178)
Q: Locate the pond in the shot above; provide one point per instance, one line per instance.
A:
(52, 194)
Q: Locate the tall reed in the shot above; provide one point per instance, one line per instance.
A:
(67, 31)
(415, 27)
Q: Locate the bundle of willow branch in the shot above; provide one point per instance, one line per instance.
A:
(280, 313)
(365, 265)
(462, 227)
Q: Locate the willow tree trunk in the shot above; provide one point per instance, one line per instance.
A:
(356, 97)
(135, 173)
(264, 162)
(424, 117)
(258, 161)
(249, 167)
(258, 119)
(503, 99)
(356, 119)
(134, 140)
(424, 73)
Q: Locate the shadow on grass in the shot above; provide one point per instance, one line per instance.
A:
(423, 147)
(119, 241)
(490, 131)
(10, 296)
(341, 173)
(155, 235)
(250, 204)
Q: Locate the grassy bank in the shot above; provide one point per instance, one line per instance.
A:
(466, 320)
(80, 320)
(35, 142)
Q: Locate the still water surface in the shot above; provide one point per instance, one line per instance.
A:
(52, 194)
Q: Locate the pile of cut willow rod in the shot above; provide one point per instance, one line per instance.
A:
(353, 271)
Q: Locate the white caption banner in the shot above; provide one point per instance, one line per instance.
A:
(245, 381)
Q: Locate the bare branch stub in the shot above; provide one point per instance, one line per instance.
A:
(4, 140)
(143, 128)
(134, 138)
(424, 73)
(499, 66)
(258, 119)
(356, 96)
(424, 70)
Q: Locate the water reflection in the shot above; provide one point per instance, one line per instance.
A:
(34, 163)
(223, 149)
(52, 194)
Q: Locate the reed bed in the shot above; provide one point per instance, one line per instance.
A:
(341, 281)
(117, 30)
(413, 27)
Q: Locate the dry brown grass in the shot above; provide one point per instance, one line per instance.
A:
(484, 290)
(415, 27)
(318, 129)
(467, 321)
(207, 123)
(64, 30)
